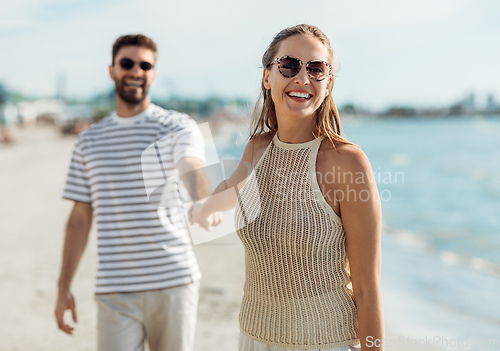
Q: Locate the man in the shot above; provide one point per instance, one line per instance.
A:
(148, 277)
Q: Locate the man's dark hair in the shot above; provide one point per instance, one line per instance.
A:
(134, 40)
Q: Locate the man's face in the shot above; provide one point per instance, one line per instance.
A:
(132, 84)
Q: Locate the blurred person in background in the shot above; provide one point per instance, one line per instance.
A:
(8, 120)
(311, 235)
(148, 277)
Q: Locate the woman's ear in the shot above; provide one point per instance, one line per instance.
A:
(265, 79)
(329, 85)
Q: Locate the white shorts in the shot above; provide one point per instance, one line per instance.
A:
(247, 344)
(165, 318)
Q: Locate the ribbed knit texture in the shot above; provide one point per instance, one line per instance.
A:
(297, 289)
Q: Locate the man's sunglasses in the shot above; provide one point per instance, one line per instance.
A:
(290, 66)
(128, 64)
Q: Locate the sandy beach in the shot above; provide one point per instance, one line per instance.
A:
(32, 221)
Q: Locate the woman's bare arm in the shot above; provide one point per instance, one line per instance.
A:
(225, 195)
(361, 214)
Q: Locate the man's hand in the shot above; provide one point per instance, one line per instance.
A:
(198, 215)
(75, 241)
(65, 302)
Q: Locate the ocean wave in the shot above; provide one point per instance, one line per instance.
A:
(448, 257)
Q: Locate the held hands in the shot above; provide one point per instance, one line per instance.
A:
(198, 214)
(65, 302)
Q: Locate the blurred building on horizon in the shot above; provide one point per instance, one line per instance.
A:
(73, 116)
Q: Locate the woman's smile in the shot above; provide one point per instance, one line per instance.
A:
(299, 96)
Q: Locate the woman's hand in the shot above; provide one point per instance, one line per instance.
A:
(199, 214)
(206, 212)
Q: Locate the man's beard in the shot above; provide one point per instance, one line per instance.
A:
(130, 98)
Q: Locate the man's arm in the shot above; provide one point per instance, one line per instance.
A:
(77, 234)
(193, 176)
(196, 182)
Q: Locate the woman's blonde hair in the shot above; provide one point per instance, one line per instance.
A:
(327, 115)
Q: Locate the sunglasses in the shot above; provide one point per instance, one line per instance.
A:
(128, 64)
(290, 66)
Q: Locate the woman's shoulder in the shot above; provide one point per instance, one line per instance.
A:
(257, 145)
(347, 157)
(262, 139)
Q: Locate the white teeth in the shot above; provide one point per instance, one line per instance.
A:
(299, 95)
(133, 83)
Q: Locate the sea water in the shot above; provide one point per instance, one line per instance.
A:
(441, 248)
(439, 181)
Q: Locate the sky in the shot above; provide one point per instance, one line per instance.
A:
(388, 52)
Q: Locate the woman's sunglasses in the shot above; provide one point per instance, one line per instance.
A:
(128, 64)
(290, 66)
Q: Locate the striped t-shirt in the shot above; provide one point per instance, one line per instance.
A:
(141, 246)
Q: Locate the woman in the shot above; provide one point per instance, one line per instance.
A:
(309, 215)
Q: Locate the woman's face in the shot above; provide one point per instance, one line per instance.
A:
(300, 96)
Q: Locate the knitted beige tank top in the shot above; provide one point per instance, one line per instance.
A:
(297, 289)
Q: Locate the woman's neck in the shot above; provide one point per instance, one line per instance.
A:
(296, 131)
